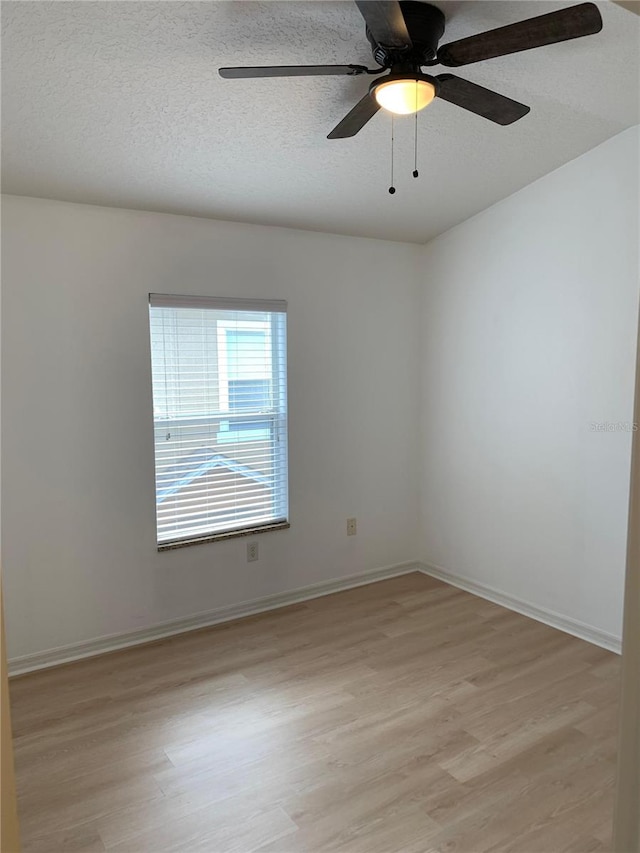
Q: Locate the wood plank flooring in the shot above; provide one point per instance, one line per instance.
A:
(405, 716)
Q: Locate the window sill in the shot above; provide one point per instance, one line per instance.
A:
(217, 537)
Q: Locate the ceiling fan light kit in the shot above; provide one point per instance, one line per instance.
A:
(404, 36)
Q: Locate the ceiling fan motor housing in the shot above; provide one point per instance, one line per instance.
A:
(425, 24)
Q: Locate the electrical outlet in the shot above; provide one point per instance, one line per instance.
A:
(252, 552)
(352, 528)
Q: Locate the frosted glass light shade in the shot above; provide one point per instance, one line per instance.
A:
(404, 96)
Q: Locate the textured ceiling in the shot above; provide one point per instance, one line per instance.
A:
(120, 103)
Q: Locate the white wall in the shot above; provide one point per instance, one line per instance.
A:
(79, 553)
(528, 337)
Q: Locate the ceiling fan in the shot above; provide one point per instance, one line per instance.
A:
(404, 38)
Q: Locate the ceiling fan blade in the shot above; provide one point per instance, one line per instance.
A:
(563, 25)
(291, 71)
(478, 100)
(356, 119)
(385, 21)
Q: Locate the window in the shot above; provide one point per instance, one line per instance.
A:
(220, 416)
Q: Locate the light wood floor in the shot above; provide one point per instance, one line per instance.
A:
(401, 717)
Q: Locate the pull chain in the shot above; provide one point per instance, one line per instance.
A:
(392, 189)
(415, 138)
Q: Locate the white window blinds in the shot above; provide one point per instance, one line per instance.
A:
(220, 415)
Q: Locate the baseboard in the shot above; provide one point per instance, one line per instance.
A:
(549, 617)
(114, 642)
